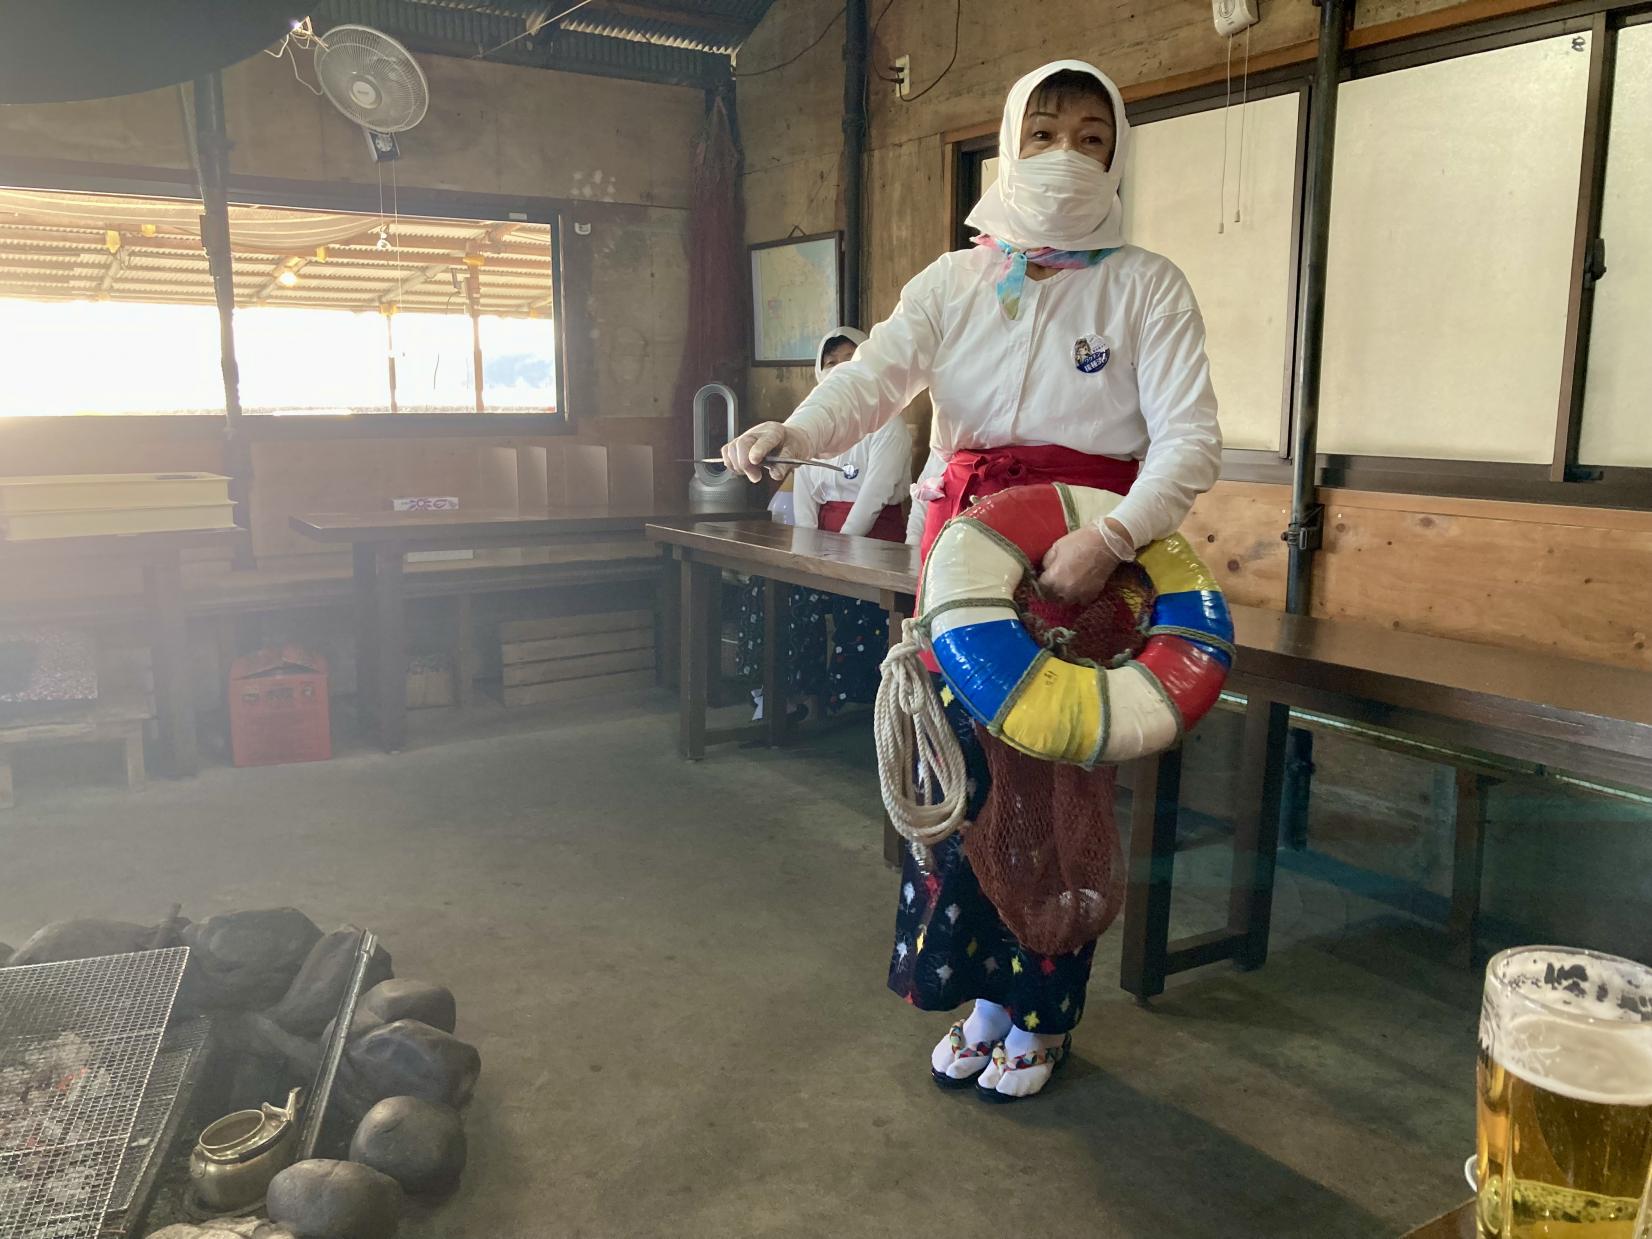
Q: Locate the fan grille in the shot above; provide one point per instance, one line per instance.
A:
(372, 79)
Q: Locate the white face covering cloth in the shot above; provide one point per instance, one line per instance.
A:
(1060, 200)
(836, 333)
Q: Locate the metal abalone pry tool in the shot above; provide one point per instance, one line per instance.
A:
(849, 472)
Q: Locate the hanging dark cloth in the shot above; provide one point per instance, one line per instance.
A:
(716, 349)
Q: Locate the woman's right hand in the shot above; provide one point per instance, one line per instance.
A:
(746, 454)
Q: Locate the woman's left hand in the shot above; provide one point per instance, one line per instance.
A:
(1077, 567)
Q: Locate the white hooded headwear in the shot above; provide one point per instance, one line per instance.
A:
(1016, 208)
(836, 333)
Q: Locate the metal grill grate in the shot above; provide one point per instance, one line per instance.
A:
(77, 1043)
(174, 1065)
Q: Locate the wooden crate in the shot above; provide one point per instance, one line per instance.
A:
(430, 682)
(574, 657)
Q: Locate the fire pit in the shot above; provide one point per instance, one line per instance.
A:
(77, 1044)
(112, 1066)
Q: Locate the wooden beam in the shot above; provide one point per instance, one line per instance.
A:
(117, 263)
(413, 281)
(731, 28)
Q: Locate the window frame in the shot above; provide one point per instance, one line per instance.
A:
(73, 177)
(1563, 480)
(1258, 464)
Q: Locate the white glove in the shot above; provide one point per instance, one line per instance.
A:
(746, 454)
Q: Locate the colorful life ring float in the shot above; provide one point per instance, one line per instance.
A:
(1035, 701)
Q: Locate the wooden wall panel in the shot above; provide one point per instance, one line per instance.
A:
(293, 476)
(1235, 528)
(1573, 589)
(1568, 581)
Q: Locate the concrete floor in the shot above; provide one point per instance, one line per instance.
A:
(675, 976)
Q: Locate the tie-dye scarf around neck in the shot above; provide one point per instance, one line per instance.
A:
(1012, 279)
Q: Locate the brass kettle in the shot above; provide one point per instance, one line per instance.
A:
(236, 1157)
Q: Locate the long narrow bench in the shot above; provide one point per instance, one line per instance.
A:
(1590, 719)
(1483, 706)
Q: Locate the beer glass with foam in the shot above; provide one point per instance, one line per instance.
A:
(1564, 1096)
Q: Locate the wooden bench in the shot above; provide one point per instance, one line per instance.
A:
(1493, 705)
(1587, 718)
(116, 717)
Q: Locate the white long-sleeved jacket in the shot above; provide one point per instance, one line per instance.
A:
(918, 513)
(884, 461)
(1000, 382)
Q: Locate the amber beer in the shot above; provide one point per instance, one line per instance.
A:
(1564, 1096)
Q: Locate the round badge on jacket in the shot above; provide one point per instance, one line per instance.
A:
(1092, 353)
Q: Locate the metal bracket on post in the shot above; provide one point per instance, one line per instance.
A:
(1308, 534)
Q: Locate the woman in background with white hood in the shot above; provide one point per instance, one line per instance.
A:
(866, 505)
(1052, 351)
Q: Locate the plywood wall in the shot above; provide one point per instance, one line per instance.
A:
(1570, 581)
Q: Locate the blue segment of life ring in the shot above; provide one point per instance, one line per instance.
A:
(1195, 611)
(983, 663)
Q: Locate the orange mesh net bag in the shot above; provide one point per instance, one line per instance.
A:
(1045, 847)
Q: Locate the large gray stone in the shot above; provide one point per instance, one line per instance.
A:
(402, 999)
(312, 1001)
(335, 1200)
(418, 1143)
(410, 1059)
(245, 960)
(86, 939)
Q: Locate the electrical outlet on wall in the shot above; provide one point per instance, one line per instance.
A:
(1232, 16)
(903, 76)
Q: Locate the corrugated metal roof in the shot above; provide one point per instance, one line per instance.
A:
(686, 42)
(61, 247)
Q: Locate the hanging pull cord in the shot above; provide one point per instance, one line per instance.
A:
(920, 766)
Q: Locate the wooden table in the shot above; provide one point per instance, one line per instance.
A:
(881, 572)
(1588, 718)
(1458, 1224)
(380, 541)
(160, 556)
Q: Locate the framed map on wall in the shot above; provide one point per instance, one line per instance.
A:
(796, 297)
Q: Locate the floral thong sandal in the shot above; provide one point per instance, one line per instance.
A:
(962, 1052)
(1003, 1065)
